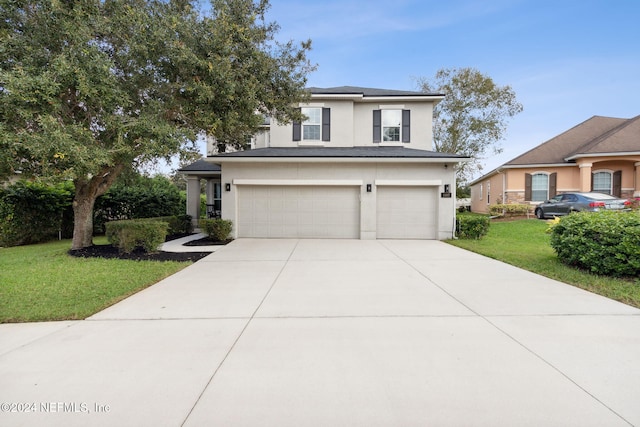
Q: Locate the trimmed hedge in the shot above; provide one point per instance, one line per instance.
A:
(510, 209)
(606, 243)
(128, 235)
(217, 229)
(472, 226)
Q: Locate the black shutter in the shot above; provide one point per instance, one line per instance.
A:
(553, 184)
(326, 124)
(527, 187)
(406, 125)
(377, 125)
(297, 130)
(617, 184)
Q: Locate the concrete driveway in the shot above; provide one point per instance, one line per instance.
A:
(333, 333)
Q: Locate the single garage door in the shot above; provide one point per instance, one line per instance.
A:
(406, 212)
(298, 211)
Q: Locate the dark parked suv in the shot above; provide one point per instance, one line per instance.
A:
(564, 204)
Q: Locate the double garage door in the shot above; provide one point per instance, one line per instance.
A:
(280, 211)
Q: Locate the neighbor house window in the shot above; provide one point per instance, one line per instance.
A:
(316, 127)
(602, 182)
(539, 187)
(391, 125)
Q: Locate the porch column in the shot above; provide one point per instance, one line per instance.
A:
(210, 191)
(193, 198)
(585, 176)
(636, 182)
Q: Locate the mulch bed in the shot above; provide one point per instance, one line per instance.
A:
(205, 241)
(108, 251)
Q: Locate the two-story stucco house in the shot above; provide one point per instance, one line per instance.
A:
(360, 166)
(600, 154)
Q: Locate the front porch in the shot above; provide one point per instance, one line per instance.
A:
(211, 173)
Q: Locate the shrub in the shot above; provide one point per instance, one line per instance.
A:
(472, 226)
(34, 212)
(217, 229)
(606, 243)
(509, 209)
(127, 235)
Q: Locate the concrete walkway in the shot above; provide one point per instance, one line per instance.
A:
(333, 333)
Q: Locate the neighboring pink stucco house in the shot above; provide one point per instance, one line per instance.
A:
(601, 154)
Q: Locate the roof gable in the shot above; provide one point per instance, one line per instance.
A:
(624, 138)
(589, 135)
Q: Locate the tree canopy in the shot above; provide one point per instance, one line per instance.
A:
(89, 87)
(472, 118)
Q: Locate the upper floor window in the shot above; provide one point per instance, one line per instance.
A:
(316, 127)
(391, 125)
(602, 182)
(311, 126)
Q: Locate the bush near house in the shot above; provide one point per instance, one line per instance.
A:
(32, 212)
(472, 226)
(217, 229)
(510, 209)
(605, 243)
(177, 224)
(128, 235)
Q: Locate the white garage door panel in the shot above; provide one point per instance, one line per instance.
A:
(406, 212)
(298, 211)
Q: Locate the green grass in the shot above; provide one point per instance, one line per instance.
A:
(525, 244)
(42, 282)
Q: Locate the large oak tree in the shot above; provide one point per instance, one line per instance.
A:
(90, 87)
(472, 118)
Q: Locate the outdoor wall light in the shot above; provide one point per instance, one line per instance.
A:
(446, 188)
(446, 165)
(227, 187)
(368, 188)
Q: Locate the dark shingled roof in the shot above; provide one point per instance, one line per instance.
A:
(201, 166)
(341, 152)
(366, 92)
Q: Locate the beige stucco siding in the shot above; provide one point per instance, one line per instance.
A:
(359, 175)
(352, 125)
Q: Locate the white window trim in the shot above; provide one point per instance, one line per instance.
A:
(610, 172)
(382, 141)
(548, 174)
(307, 123)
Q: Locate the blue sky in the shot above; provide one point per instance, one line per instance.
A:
(566, 60)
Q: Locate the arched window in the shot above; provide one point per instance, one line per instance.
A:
(601, 182)
(539, 187)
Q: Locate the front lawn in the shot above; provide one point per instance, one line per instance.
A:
(42, 282)
(525, 244)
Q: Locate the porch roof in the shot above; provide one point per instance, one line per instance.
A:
(201, 167)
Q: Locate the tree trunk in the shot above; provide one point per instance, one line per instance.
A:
(87, 191)
(83, 217)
